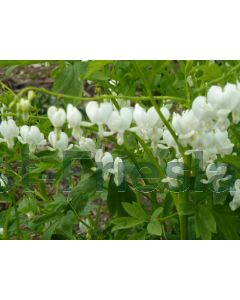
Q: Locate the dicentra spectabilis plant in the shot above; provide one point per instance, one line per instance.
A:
(130, 162)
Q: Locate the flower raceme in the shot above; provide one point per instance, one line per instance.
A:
(202, 127)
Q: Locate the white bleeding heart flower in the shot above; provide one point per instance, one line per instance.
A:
(235, 193)
(216, 174)
(105, 161)
(149, 124)
(149, 118)
(118, 171)
(216, 97)
(175, 168)
(9, 131)
(87, 144)
(74, 118)
(57, 116)
(32, 136)
(99, 113)
(185, 125)
(103, 157)
(167, 140)
(201, 109)
(59, 143)
(120, 122)
(222, 142)
(231, 96)
(140, 116)
(110, 166)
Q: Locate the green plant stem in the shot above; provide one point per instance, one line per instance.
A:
(179, 200)
(186, 84)
(98, 214)
(150, 155)
(96, 98)
(183, 227)
(168, 217)
(30, 116)
(78, 217)
(17, 219)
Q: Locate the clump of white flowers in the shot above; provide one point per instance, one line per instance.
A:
(204, 127)
(201, 128)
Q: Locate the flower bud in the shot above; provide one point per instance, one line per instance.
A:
(24, 105)
(31, 95)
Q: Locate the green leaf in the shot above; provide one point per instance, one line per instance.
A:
(116, 197)
(125, 223)
(205, 222)
(83, 192)
(233, 160)
(135, 210)
(68, 80)
(157, 213)
(154, 227)
(227, 222)
(95, 66)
